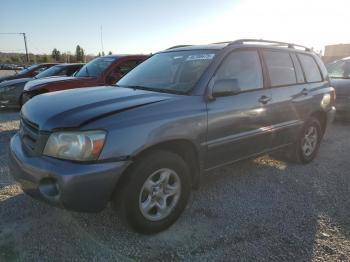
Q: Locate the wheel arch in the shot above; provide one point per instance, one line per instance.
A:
(321, 116)
(182, 147)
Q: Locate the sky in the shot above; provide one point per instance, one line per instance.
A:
(149, 26)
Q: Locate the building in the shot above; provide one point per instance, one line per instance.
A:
(334, 52)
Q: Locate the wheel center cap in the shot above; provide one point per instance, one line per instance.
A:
(157, 191)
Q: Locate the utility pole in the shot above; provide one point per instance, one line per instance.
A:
(25, 44)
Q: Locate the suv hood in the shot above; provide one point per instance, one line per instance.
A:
(76, 107)
(46, 80)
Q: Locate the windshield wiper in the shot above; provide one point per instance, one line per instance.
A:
(146, 88)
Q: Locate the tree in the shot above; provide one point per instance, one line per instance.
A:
(110, 52)
(103, 53)
(14, 59)
(56, 55)
(99, 54)
(44, 59)
(79, 54)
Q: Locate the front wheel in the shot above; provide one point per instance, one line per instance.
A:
(155, 192)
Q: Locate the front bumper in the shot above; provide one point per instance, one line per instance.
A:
(71, 185)
(11, 97)
(9, 101)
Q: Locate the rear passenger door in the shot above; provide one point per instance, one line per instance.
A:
(238, 124)
(290, 94)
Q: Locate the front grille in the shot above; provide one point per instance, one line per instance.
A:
(32, 139)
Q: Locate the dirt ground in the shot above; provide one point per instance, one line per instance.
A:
(258, 210)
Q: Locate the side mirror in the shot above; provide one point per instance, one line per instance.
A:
(225, 87)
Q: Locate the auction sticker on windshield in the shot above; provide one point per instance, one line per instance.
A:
(200, 57)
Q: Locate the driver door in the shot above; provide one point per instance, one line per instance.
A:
(238, 125)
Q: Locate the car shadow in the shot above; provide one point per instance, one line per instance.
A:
(268, 214)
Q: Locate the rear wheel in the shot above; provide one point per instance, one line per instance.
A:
(308, 143)
(155, 192)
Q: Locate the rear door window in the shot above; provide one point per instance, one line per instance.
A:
(310, 67)
(126, 67)
(280, 68)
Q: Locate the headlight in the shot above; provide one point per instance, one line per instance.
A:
(78, 146)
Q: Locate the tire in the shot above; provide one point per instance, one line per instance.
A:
(20, 102)
(299, 152)
(146, 199)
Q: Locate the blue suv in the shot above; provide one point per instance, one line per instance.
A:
(144, 143)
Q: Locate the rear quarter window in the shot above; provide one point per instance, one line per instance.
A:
(312, 72)
(280, 68)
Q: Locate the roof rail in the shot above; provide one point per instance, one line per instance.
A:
(275, 43)
(224, 42)
(177, 46)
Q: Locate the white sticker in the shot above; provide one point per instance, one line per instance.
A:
(200, 57)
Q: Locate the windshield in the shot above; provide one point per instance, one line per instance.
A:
(95, 67)
(173, 71)
(25, 70)
(54, 70)
(339, 69)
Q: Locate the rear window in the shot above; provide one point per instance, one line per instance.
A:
(310, 67)
(280, 68)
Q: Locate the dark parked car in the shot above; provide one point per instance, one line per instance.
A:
(181, 113)
(28, 72)
(11, 67)
(101, 71)
(339, 72)
(11, 90)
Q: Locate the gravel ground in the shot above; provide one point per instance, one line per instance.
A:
(257, 210)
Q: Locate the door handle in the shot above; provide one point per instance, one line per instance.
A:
(264, 99)
(305, 92)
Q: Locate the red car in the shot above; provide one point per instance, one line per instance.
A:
(105, 70)
(28, 72)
